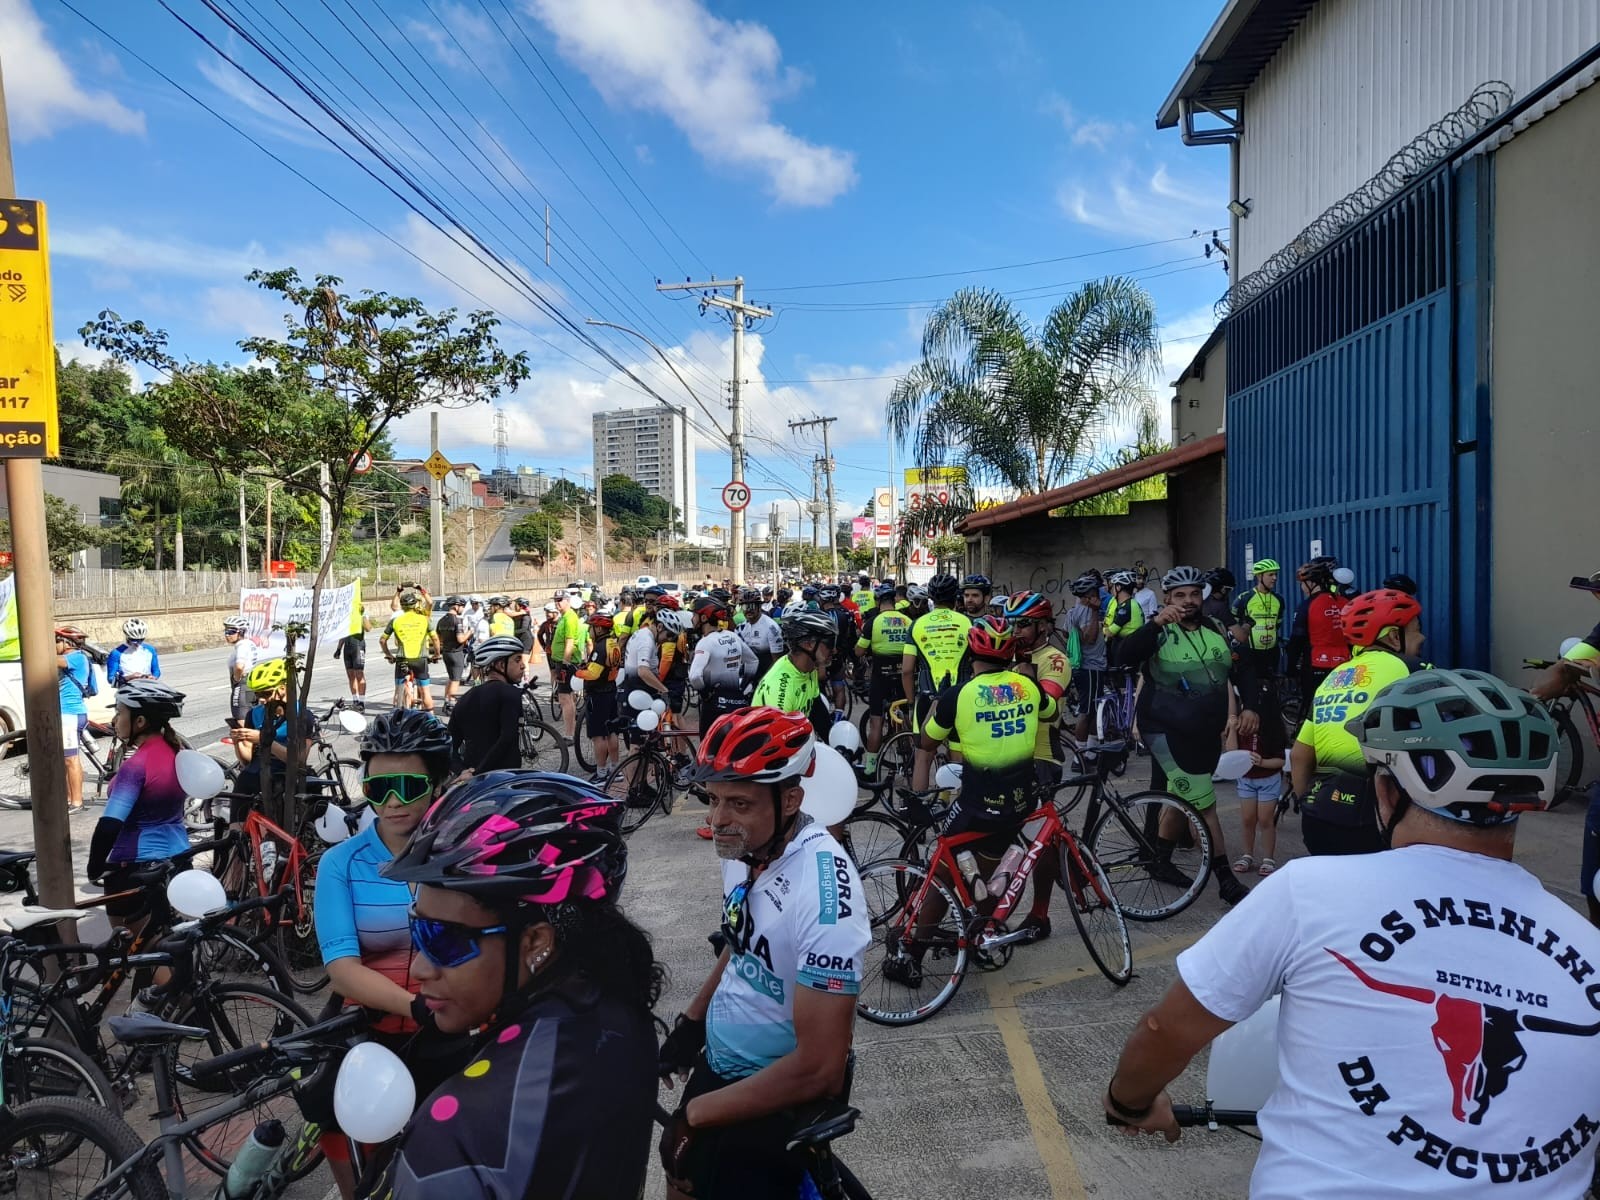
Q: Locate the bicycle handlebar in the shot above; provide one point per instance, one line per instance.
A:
(346, 1022)
(1191, 1115)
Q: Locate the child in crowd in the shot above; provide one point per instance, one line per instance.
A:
(1259, 789)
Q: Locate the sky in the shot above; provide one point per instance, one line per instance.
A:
(856, 164)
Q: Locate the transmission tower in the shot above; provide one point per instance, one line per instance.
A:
(502, 441)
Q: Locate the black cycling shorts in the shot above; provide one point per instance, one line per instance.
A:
(719, 704)
(601, 712)
(561, 675)
(734, 1162)
(457, 666)
(120, 879)
(416, 666)
(883, 689)
(354, 652)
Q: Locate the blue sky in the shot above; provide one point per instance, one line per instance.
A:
(800, 145)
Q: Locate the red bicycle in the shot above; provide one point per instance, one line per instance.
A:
(264, 858)
(930, 921)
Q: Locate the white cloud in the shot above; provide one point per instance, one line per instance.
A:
(131, 252)
(1100, 134)
(474, 34)
(41, 93)
(266, 113)
(75, 349)
(1133, 205)
(242, 311)
(715, 80)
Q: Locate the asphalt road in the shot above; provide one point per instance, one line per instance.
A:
(998, 1094)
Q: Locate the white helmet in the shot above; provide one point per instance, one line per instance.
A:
(672, 621)
(233, 624)
(135, 630)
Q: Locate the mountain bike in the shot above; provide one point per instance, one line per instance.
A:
(1569, 748)
(927, 914)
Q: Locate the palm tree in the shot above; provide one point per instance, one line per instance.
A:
(1022, 408)
(156, 475)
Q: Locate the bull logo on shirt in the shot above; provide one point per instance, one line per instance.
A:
(1480, 1043)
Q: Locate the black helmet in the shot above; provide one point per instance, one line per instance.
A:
(784, 596)
(807, 627)
(1401, 583)
(1086, 584)
(943, 589)
(409, 731)
(980, 582)
(151, 699)
(1220, 577)
(452, 601)
(749, 596)
(828, 594)
(519, 837)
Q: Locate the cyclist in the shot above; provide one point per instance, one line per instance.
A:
(676, 652)
(997, 714)
(455, 648)
(517, 930)
(361, 916)
(398, 603)
(241, 657)
(521, 611)
(641, 665)
(75, 684)
(1043, 659)
(1122, 612)
(486, 727)
(622, 622)
(882, 648)
(1085, 621)
(865, 596)
(975, 593)
(545, 634)
(1384, 630)
(599, 676)
(1218, 604)
(566, 655)
(1258, 620)
(1400, 582)
(780, 603)
(933, 661)
(1145, 597)
(792, 685)
(769, 1030)
(1316, 644)
(844, 642)
(1184, 705)
(501, 623)
(759, 631)
(417, 646)
(1562, 675)
(143, 817)
(135, 658)
(724, 667)
(1400, 1073)
(352, 651)
(268, 681)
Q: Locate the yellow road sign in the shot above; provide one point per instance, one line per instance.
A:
(28, 426)
(935, 475)
(438, 466)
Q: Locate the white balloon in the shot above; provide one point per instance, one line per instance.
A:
(844, 737)
(948, 776)
(577, 685)
(638, 701)
(195, 893)
(374, 1093)
(1567, 646)
(659, 705)
(1344, 576)
(830, 789)
(1243, 1070)
(352, 722)
(1232, 765)
(200, 775)
(332, 826)
(648, 720)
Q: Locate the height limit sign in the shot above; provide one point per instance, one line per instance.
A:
(27, 352)
(736, 496)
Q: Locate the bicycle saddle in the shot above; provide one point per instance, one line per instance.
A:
(13, 858)
(835, 1121)
(142, 1028)
(29, 917)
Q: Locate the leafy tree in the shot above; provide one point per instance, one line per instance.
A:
(859, 558)
(64, 529)
(96, 406)
(563, 493)
(326, 392)
(948, 548)
(1021, 406)
(536, 534)
(635, 514)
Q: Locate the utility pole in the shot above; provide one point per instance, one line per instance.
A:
(827, 467)
(244, 540)
(41, 698)
(739, 316)
(325, 531)
(436, 512)
(472, 544)
(599, 531)
(816, 497)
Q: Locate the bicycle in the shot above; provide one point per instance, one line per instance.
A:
(649, 777)
(899, 892)
(119, 1163)
(1569, 748)
(278, 860)
(543, 746)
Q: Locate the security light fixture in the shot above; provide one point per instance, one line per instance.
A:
(1240, 208)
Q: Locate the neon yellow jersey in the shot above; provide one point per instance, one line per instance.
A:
(410, 629)
(787, 688)
(1052, 671)
(939, 642)
(501, 625)
(887, 633)
(997, 717)
(1261, 613)
(863, 598)
(1586, 651)
(1122, 617)
(1347, 692)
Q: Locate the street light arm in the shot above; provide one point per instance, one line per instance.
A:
(671, 366)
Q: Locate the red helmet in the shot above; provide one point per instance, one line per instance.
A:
(709, 610)
(1029, 606)
(1366, 616)
(765, 745)
(668, 600)
(70, 633)
(990, 638)
(601, 622)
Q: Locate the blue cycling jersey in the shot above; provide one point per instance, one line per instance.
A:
(147, 798)
(132, 659)
(359, 913)
(76, 684)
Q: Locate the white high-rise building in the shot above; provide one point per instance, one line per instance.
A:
(648, 446)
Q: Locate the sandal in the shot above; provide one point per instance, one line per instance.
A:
(1243, 864)
(1267, 867)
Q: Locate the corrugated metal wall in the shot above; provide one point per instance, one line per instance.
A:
(1360, 78)
(1340, 406)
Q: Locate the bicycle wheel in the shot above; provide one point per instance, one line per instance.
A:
(1150, 883)
(904, 978)
(40, 1069)
(644, 780)
(233, 1015)
(582, 743)
(295, 942)
(1095, 911)
(14, 786)
(58, 1149)
(543, 748)
(872, 837)
(227, 954)
(1569, 755)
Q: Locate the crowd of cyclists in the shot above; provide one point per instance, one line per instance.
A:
(475, 912)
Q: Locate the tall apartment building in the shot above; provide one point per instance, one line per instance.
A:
(648, 446)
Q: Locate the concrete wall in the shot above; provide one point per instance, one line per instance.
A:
(86, 489)
(1196, 501)
(1546, 367)
(1199, 398)
(1045, 554)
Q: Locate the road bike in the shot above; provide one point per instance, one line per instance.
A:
(261, 858)
(1569, 748)
(929, 923)
(649, 777)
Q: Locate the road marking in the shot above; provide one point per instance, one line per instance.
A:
(1049, 1138)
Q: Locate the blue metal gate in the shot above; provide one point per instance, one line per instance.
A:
(1342, 410)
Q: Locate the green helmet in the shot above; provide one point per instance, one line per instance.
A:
(1264, 566)
(1462, 744)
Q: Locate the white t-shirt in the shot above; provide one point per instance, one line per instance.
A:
(1146, 600)
(803, 923)
(640, 651)
(762, 635)
(243, 657)
(1439, 1030)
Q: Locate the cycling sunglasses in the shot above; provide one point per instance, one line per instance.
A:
(406, 788)
(735, 928)
(447, 944)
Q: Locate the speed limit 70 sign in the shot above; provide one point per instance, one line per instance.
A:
(736, 496)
